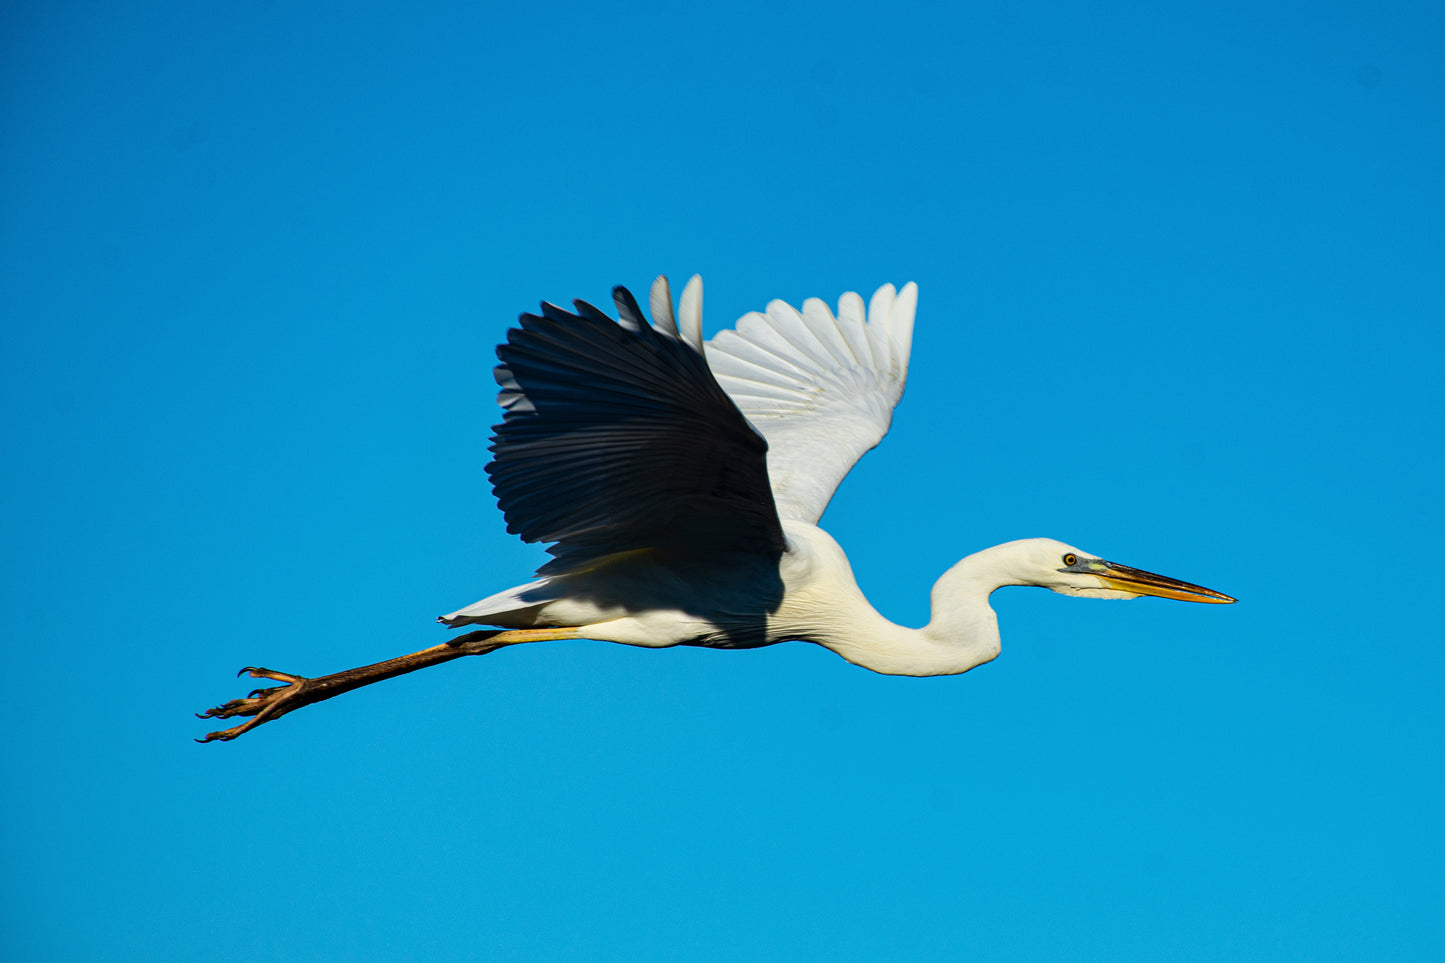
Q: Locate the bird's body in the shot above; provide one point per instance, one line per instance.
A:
(821, 389)
(680, 486)
(742, 601)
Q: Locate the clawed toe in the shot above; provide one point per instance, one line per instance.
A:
(272, 674)
(297, 691)
(263, 704)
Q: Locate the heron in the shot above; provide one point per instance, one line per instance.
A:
(679, 483)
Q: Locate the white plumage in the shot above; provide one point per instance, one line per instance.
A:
(679, 485)
(820, 388)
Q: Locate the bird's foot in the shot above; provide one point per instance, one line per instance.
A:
(263, 704)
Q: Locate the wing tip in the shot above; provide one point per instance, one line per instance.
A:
(689, 310)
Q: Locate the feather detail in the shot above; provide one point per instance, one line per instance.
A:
(820, 387)
(616, 436)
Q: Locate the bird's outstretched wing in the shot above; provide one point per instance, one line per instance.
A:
(617, 437)
(820, 388)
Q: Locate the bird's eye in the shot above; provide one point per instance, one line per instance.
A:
(1071, 559)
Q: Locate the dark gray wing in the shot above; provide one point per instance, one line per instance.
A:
(617, 437)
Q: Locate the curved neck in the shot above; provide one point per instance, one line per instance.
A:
(962, 633)
(962, 616)
(823, 604)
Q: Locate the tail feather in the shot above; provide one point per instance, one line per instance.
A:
(494, 609)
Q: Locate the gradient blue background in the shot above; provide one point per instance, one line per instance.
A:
(1182, 283)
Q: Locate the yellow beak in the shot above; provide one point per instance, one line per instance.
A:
(1139, 582)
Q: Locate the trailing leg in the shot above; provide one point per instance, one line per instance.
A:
(264, 705)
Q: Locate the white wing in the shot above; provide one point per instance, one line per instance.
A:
(820, 388)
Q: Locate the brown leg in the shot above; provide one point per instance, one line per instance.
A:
(276, 701)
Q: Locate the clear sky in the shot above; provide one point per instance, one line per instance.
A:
(1182, 283)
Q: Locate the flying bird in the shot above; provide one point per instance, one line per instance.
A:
(679, 485)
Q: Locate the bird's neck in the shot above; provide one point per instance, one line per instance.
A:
(823, 604)
(962, 619)
(962, 633)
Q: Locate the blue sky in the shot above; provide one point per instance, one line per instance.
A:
(1182, 279)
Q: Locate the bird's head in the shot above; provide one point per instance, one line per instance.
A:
(1051, 564)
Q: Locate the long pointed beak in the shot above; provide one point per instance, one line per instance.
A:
(1139, 582)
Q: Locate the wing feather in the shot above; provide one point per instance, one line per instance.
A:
(823, 326)
(617, 436)
(852, 316)
(821, 388)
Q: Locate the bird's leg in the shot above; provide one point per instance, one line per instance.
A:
(274, 702)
